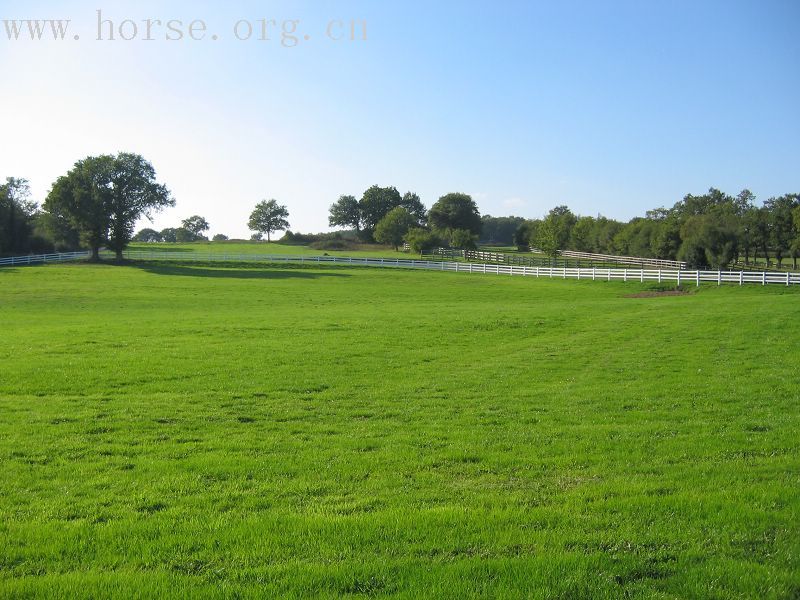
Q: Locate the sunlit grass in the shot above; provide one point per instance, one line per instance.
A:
(198, 430)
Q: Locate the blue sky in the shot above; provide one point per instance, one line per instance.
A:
(610, 108)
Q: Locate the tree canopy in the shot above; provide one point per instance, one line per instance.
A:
(102, 197)
(268, 216)
(345, 212)
(394, 227)
(196, 225)
(707, 230)
(364, 215)
(455, 211)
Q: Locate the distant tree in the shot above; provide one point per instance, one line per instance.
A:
(525, 233)
(267, 217)
(169, 235)
(17, 215)
(345, 212)
(412, 203)
(420, 240)
(500, 230)
(462, 239)
(134, 194)
(666, 240)
(455, 211)
(796, 241)
(220, 237)
(256, 237)
(393, 228)
(148, 236)
(781, 224)
(709, 240)
(82, 197)
(104, 196)
(374, 205)
(196, 225)
(554, 233)
(582, 234)
(184, 236)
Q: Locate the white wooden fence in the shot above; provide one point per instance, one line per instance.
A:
(630, 260)
(678, 276)
(35, 259)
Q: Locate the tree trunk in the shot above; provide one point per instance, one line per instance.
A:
(269, 241)
(119, 256)
(95, 257)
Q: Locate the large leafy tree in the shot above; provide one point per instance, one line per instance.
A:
(345, 212)
(196, 225)
(82, 197)
(135, 193)
(553, 234)
(455, 211)
(412, 203)
(102, 197)
(376, 204)
(394, 227)
(268, 216)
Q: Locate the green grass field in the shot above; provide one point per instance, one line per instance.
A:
(265, 248)
(237, 431)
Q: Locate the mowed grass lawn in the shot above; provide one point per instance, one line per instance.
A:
(233, 431)
(237, 249)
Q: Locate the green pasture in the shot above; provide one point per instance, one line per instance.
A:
(241, 431)
(267, 248)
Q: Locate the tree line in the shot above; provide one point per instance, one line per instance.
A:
(97, 203)
(383, 215)
(708, 230)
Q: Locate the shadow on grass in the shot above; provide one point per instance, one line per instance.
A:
(232, 270)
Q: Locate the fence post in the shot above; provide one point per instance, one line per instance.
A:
(679, 278)
(594, 273)
(659, 276)
(625, 275)
(764, 278)
(788, 278)
(719, 277)
(741, 277)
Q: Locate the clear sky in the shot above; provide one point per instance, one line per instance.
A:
(608, 107)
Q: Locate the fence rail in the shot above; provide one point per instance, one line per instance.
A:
(35, 259)
(631, 260)
(566, 259)
(679, 276)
